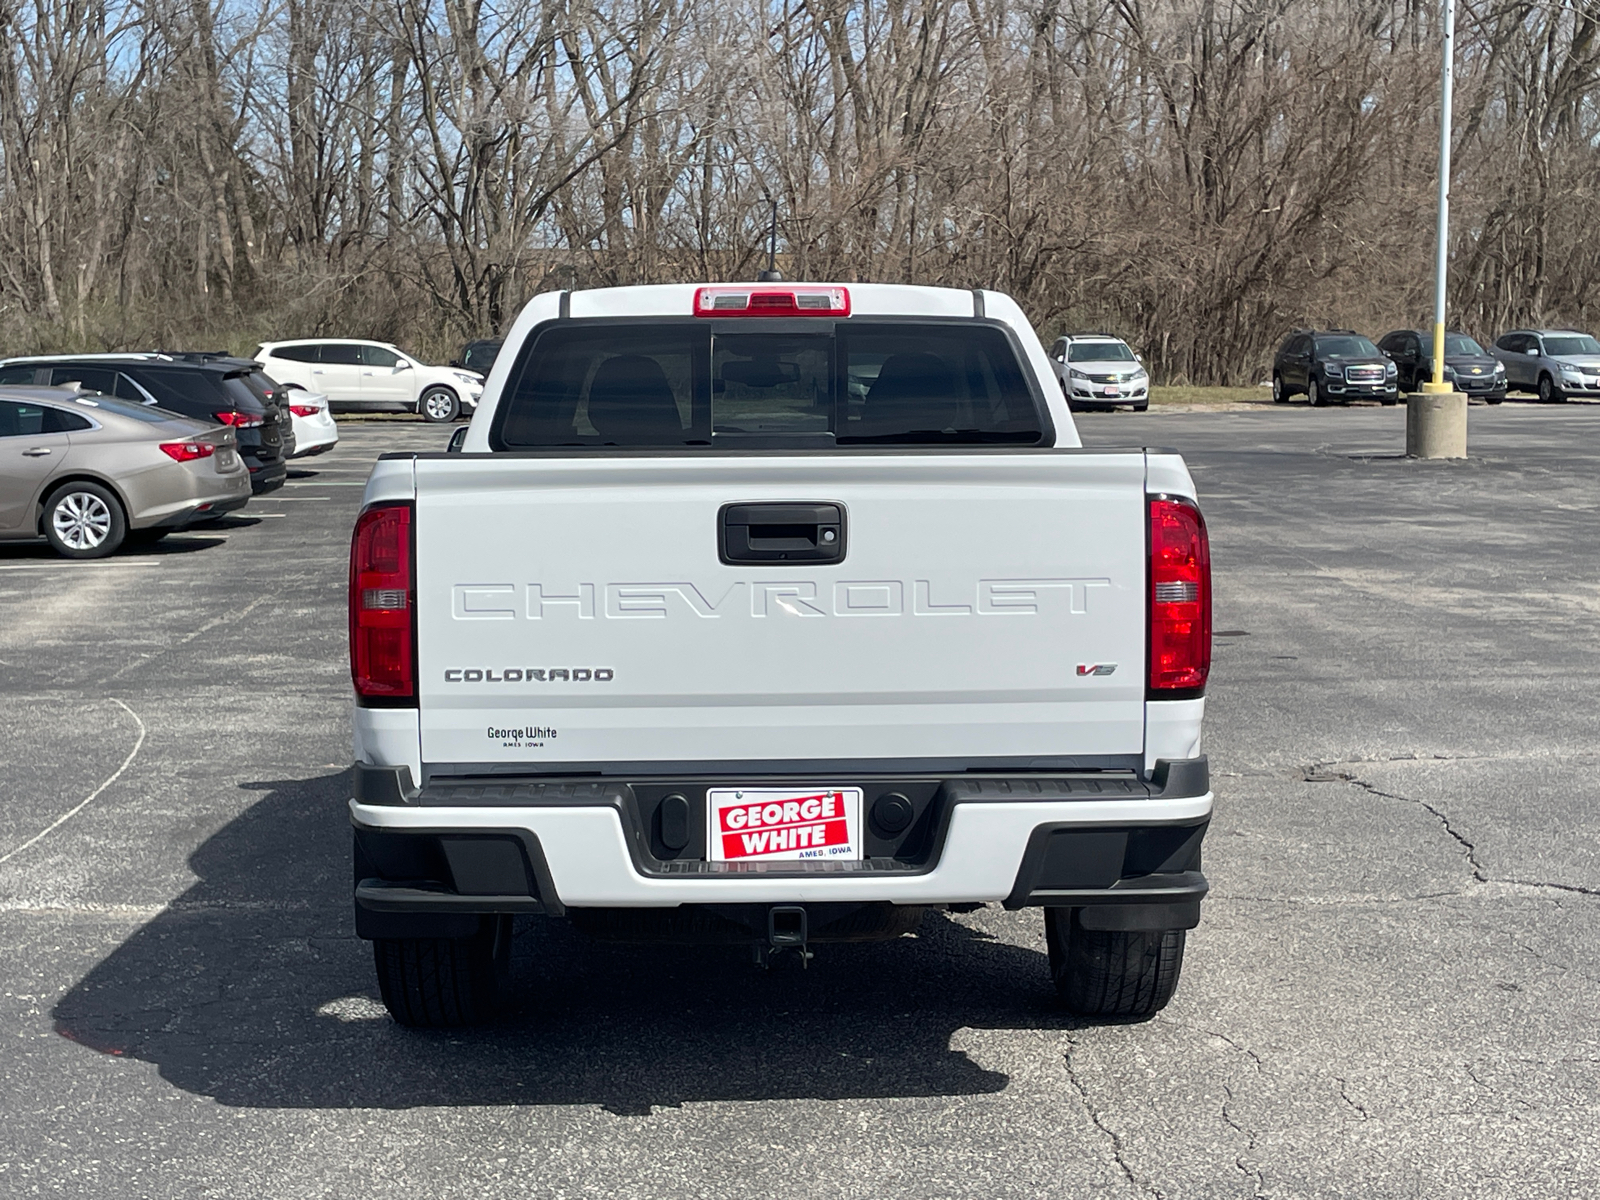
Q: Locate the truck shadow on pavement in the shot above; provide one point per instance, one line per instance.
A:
(251, 988)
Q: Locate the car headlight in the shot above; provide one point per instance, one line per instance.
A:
(1390, 370)
(1077, 374)
(1333, 372)
(1499, 368)
(1568, 371)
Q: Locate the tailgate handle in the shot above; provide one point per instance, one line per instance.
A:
(781, 533)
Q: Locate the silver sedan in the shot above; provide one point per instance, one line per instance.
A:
(88, 472)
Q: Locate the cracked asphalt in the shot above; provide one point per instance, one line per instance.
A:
(1392, 992)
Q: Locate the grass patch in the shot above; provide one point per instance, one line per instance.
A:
(1210, 395)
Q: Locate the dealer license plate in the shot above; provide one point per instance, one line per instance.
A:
(784, 824)
(1113, 391)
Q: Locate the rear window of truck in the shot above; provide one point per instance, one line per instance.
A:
(802, 383)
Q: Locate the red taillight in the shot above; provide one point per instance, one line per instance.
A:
(381, 659)
(1180, 600)
(241, 420)
(188, 451)
(792, 300)
(304, 410)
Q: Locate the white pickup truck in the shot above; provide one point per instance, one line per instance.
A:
(774, 615)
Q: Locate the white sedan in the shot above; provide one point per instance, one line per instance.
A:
(314, 428)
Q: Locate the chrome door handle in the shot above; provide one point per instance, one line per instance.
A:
(37, 451)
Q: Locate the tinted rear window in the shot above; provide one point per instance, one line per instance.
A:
(244, 397)
(302, 353)
(701, 383)
(182, 391)
(133, 409)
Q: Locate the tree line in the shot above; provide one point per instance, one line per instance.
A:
(1200, 176)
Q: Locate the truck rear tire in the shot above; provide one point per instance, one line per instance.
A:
(437, 983)
(1112, 973)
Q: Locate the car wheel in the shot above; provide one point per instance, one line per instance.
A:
(439, 404)
(1313, 394)
(1280, 394)
(437, 983)
(84, 520)
(1495, 399)
(1112, 973)
(1548, 392)
(1144, 407)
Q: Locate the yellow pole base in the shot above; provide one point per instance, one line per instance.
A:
(1436, 422)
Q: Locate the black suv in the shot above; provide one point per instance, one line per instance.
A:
(479, 356)
(1333, 364)
(228, 391)
(1468, 365)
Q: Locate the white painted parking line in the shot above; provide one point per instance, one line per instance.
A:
(76, 565)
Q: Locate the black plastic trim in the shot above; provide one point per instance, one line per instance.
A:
(378, 895)
(434, 895)
(1182, 886)
(704, 771)
(383, 785)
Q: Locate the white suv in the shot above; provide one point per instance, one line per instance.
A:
(1097, 370)
(372, 377)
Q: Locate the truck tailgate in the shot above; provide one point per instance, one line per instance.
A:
(989, 608)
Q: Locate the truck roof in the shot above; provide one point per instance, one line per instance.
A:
(866, 299)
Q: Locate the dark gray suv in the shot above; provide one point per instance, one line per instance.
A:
(1333, 364)
(1554, 363)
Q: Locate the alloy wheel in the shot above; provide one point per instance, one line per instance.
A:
(439, 406)
(81, 520)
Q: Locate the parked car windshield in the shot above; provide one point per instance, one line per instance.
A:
(1456, 345)
(1098, 352)
(1575, 343)
(1346, 347)
(698, 383)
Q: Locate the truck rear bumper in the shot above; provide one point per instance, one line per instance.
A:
(1113, 844)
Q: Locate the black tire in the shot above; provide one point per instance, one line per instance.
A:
(440, 983)
(1496, 400)
(1110, 973)
(439, 405)
(1549, 393)
(1314, 394)
(1389, 400)
(146, 537)
(1145, 407)
(83, 520)
(1280, 390)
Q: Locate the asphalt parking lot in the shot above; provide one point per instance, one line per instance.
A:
(1392, 992)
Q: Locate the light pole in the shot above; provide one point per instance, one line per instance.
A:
(1436, 421)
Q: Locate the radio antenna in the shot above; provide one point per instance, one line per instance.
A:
(771, 274)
